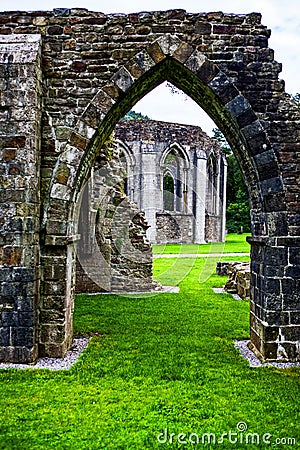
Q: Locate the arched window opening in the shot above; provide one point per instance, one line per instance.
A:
(176, 164)
(168, 187)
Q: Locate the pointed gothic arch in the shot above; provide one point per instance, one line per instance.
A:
(177, 149)
(171, 59)
(191, 71)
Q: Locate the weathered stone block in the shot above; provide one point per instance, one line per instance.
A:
(277, 256)
(290, 302)
(103, 102)
(123, 79)
(183, 52)
(273, 301)
(238, 105)
(22, 336)
(4, 337)
(222, 86)
(156, 52)
(10, 319)
(290, 351)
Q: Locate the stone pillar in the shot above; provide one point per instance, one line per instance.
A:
(20, 112)
(200, 197)
(58, 285)
(275, 308)
(217, 188)
(150, 193)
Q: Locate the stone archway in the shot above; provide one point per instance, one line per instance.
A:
(257, 119)
(243, 139)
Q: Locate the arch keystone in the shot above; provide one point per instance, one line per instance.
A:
(168, 44)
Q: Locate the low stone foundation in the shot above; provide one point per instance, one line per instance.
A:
(239, 277)
(174, 228)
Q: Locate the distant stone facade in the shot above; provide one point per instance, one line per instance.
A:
(176, 174)
(67, 77)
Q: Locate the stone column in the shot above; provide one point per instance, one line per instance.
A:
(200, 197)
(217, 190)
(275, 309)
(56, 308)
(150, 194)
(20, 79)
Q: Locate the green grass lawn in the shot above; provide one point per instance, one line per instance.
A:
(156, 363)
(235, 243)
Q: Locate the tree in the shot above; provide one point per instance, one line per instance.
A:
(132, 115)
(237, 207)
(219, 136)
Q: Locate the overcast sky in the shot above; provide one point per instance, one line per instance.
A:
(283, 17)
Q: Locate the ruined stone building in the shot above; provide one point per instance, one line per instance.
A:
(177, 175)
(113, 253)
(165, 180)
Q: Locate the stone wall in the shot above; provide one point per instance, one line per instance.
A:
(174, 228)
(20, 115)
(239, 279)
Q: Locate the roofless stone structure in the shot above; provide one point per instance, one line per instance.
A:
(177, 175)
(67, 77)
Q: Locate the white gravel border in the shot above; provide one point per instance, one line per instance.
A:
(72, 355)
(254, 361)
(245, 352)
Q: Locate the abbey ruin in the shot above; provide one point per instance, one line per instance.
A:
(67, 77)
(177, 175)
(173, 173)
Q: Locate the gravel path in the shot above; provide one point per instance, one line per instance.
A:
(79, 344)
(245, 351)
(198, 255)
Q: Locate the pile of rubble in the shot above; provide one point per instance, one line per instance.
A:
(239, 277)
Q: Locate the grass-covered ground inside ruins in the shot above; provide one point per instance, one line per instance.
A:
(235, 243)
(154, 363)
